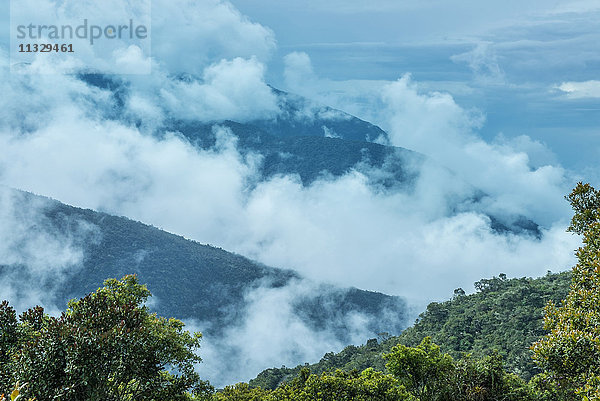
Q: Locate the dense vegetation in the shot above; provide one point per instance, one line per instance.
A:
(188, 279)
(108, 346)
(570, 353)
(504, 315)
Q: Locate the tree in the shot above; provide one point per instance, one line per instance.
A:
(585, 201)
(570, 353)
(9, 339)
(485, 379)
(424, 370)
(106, 346)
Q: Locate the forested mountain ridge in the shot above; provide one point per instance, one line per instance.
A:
(503, 314)
(188, 279)
(312, 141)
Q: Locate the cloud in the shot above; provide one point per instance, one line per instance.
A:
(538, 154)
(580, 90)
(189, 35)
(35, 256)
(229, 90)
(89, 28)
(181, 36)
(341, 230)
(432, 123)
(298, 70)
(483, 61)
(270, 333)
(406, 244)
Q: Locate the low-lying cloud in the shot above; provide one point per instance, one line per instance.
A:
(90, 147)
(271, 334)
(35, 256)
(338, 229)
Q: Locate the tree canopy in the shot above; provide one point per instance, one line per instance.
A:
(105, 346)
(570, 353)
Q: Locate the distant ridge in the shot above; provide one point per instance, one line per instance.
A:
(191, 280)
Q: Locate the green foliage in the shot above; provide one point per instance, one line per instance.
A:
(423, 370)
(243, 392)
(106, 346)
(504, 315)
(9, 341)
(570, 353)
(431, 375)
(369, 385)
(486, 379)
(585, 201)
(349, 359)
(421, 373)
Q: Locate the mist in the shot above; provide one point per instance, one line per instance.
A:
(271, 334)
(337, 229)
(36, 257)
(62, 138)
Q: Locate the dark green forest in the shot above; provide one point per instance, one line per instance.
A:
(505, 315)
(189, 279)
(513, 339)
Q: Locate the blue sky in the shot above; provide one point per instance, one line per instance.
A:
(507, 59)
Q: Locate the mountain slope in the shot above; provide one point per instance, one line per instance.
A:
(187, 279)
(300, 116)
(314, 141)
(504, 315)
(310, 157)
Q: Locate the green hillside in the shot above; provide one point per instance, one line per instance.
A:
(191, 280)
(503, 314)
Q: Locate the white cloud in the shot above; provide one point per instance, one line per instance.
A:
(538, 154)
(188, 35)
(432, 123)
(298, 70)
(579, 90)
(182, 36)
(229, 90)
(83, 25)
(270, 334)
(131, 60)
(339, 230)
(35, 256)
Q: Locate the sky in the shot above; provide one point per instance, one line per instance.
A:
(500, 96)
(530, 67)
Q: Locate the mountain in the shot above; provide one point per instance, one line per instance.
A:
(310, 157)
(503, 314)
(315, 141)
(300, 116)
(188, 280)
